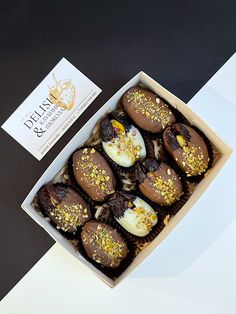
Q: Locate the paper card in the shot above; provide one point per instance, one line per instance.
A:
(54, 105)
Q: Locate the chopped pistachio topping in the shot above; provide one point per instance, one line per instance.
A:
(194, 161)
(106, 243)
(69, 216)
(126, 146)
(156, 111)
(93, 172)
(181, 140)
(145, 218)
(124, 142)
(118, 127)
(192, 157)
(165, 188)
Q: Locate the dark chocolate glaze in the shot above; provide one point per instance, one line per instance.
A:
(173, 131)
(151, 164)
(44, 199)
(121, 202)
(121, 117)
(171, 138)
(140, 172)
(192, 157)
(182, 130)
(107, 130)
(166, 190)
(142, 168)
(57, 192)
(65, 207)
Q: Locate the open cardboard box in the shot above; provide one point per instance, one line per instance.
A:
(83, 135)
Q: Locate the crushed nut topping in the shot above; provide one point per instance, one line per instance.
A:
(158, 111)
(165, 188)
(193, 157)
(105, 241)
(145, 218)
(92, 171)
(69, 216)
(124, 142)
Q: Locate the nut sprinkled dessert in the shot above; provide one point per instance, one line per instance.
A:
(93, 174)
(187, 148)
(158, 182)
(64, 206)
(103, 244)
(147, 110)
(133, 214)
(122, 142)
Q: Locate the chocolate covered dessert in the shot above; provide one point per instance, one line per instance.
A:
(122, 142)
(187, 148)
(158, 182)
(65, 207)
(93, 174)
(133, 214)
(147, 110)
(103, 244)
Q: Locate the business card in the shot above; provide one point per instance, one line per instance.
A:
(54, 105)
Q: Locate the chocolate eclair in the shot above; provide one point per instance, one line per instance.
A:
(133, 214)
(64, 206)
(187, 148)
(93, 174)
(121, 141)
(103, 244)
(158, 182)
(147, 110)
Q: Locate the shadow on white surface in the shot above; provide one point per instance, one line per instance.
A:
(215, 210)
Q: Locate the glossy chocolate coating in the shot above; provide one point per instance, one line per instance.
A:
(121, 141)
(103, 244)
(134, 214)
(159, 182)
(64, 206)
(147, 110)
(187, 148)
(93, 174)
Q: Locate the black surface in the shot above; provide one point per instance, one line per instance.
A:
(179, 43)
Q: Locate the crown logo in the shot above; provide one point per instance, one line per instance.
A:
(62, 93)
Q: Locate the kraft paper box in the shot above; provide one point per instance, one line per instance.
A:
(83, 135)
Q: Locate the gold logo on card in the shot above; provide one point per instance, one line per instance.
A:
(62, 93)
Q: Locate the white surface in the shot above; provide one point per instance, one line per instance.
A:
(193, 270)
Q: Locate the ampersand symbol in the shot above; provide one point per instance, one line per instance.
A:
(39, 132)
